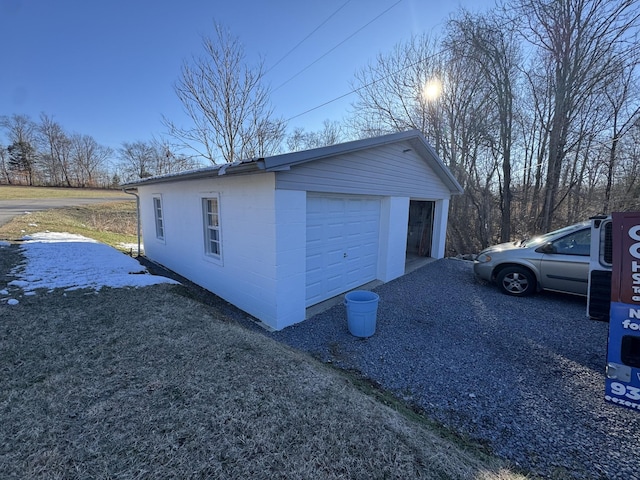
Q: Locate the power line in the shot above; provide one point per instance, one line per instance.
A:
(338, 45)
(373, 82)
(305, 38)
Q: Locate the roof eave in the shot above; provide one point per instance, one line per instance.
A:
(249, 167)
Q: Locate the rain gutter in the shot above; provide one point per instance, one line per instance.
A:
(126, 190)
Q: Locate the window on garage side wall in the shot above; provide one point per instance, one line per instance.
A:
(212, 238)
(157, 211)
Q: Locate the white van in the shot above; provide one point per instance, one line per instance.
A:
(600, 263)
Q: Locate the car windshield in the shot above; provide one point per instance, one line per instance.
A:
(539, 240)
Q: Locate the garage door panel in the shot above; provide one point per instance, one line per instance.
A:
(315, 290)
(335, 286)
(315, 262)
(334, 260)
(315, 235)
(342, 244)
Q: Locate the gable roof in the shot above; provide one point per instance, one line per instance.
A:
(285, 161)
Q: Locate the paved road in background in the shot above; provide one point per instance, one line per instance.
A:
(13, 208)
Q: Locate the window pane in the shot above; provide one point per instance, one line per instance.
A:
(211, 226)
(157, 204)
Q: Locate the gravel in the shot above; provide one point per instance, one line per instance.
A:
(524, 376)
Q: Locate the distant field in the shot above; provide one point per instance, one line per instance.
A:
(113, 223)
(11, 192)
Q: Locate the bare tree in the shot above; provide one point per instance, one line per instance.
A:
(227, 102)
(166, 158)
(625, 192)
(55, 151)
(4, 164)
(19, 128)
(143, 159)
(578, 38)
(137, 160)
(390, 90)
(622, 96)
(89, 158)
(332, 133)
(484, 41)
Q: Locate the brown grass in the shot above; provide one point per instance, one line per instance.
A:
(112, 223)
(149, 383)
(17, 192)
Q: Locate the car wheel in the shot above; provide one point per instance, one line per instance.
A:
(516, 281)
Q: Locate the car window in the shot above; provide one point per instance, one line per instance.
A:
(577, 243)
(541, 239)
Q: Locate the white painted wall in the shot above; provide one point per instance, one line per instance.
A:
(290, 257)
(247, 275)
(440, 218)
(394, 220)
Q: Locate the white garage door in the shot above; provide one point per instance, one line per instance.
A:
(342, 244)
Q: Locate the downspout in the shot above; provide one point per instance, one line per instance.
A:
(137, 212)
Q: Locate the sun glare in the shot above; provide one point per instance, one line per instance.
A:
(432, 90)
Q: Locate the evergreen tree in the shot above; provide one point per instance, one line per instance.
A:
(22, 160)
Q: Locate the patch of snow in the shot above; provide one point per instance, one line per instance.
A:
(56, 237)
(4, 292)
(13, 301)
(132, 247)
(68, 261)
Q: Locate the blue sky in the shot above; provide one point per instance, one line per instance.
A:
(106, 68)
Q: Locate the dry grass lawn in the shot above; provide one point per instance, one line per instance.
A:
(17, 192)
(112, 223)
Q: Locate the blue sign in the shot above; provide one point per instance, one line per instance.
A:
(622, 384)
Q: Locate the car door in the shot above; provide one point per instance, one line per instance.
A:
(565, 263)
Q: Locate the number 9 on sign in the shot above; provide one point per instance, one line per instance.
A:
(621, 390)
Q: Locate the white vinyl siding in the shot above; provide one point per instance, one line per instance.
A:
(157, 210)
(212, 237)
(384, 171)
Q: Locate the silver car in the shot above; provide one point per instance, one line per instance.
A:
(557, 261)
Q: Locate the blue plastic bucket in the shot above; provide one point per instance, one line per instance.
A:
(362, 307)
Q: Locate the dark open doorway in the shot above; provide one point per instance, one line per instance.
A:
(420, 231)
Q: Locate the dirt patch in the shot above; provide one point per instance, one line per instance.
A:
(10, 257)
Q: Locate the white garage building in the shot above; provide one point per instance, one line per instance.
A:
(276, 235)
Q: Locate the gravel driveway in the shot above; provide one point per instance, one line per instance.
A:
(523, 375)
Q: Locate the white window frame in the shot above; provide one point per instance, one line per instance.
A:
(211, 227)
(158, 215)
